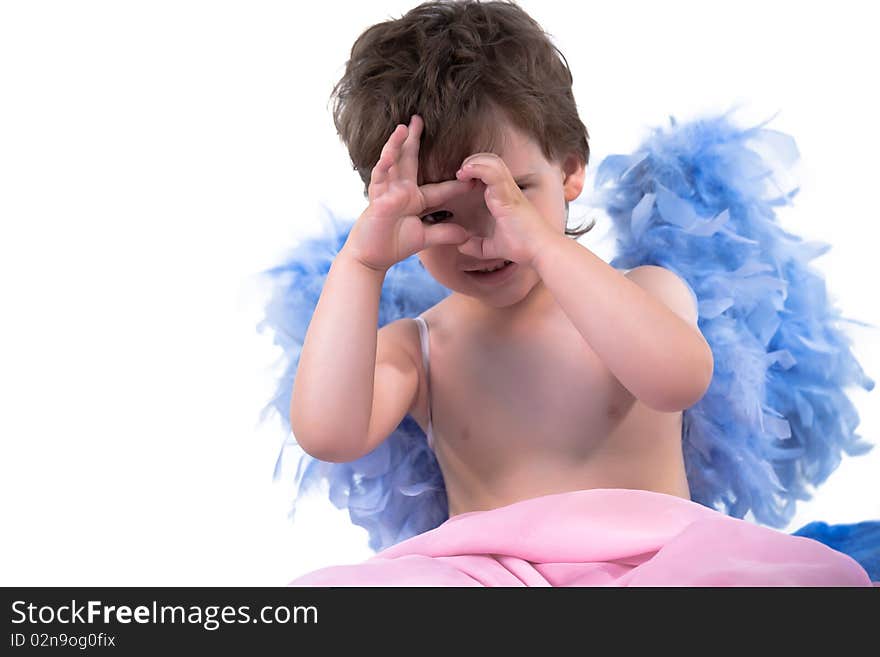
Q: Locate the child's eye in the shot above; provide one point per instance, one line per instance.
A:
(523, 187)
(434, 217)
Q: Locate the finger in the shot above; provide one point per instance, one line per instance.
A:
(482, 156)
(409, 156)
(436, 194)
(491, 172)
(500, 186)
(388, 156)
(445, 234)
(392, 145)
(473, 247)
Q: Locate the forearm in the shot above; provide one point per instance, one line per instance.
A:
(332, 395)
(652, 351)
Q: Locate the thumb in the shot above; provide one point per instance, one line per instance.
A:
(445, 234)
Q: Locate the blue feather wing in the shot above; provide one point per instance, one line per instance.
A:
(396, 491)
(699, 199)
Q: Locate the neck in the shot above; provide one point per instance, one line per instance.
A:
(537, 302)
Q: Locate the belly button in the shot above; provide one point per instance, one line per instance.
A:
(465, 433)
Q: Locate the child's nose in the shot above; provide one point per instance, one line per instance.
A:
(480, 220)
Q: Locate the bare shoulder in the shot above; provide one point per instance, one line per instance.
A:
(668, 287)
(402, 335)
(398, 342)
(398, 346)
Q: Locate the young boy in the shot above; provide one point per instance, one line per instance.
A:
(547, 380)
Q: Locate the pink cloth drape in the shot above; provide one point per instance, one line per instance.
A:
(599, 537)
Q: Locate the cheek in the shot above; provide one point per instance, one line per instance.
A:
(443, 266)
(438, 261)
(552, 209)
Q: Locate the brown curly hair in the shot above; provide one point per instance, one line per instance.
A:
(457, 64)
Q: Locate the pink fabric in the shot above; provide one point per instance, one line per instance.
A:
(599, 537)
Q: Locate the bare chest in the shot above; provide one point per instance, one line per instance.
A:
(538, 392)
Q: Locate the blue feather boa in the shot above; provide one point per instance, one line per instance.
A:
(699, 199)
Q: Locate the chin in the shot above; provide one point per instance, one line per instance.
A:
(507, 296)
(500, 301)
(503, 297)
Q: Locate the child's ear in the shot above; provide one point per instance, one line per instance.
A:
(575, 173)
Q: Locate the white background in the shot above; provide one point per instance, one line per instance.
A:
(154, 156)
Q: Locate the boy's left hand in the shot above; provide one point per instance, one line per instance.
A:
(519, 228)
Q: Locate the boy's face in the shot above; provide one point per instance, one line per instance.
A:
(546, 185)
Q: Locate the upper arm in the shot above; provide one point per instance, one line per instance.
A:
(396, 380)
(677, 295)
(667, 287)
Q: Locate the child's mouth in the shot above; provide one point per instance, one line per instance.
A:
(496, 276)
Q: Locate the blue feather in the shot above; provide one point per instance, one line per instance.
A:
(699, 199)
(397, 490)
(860, 540)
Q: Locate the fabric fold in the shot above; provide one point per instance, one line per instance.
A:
(600, 537)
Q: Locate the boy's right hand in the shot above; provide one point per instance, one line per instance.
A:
(391, 228)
